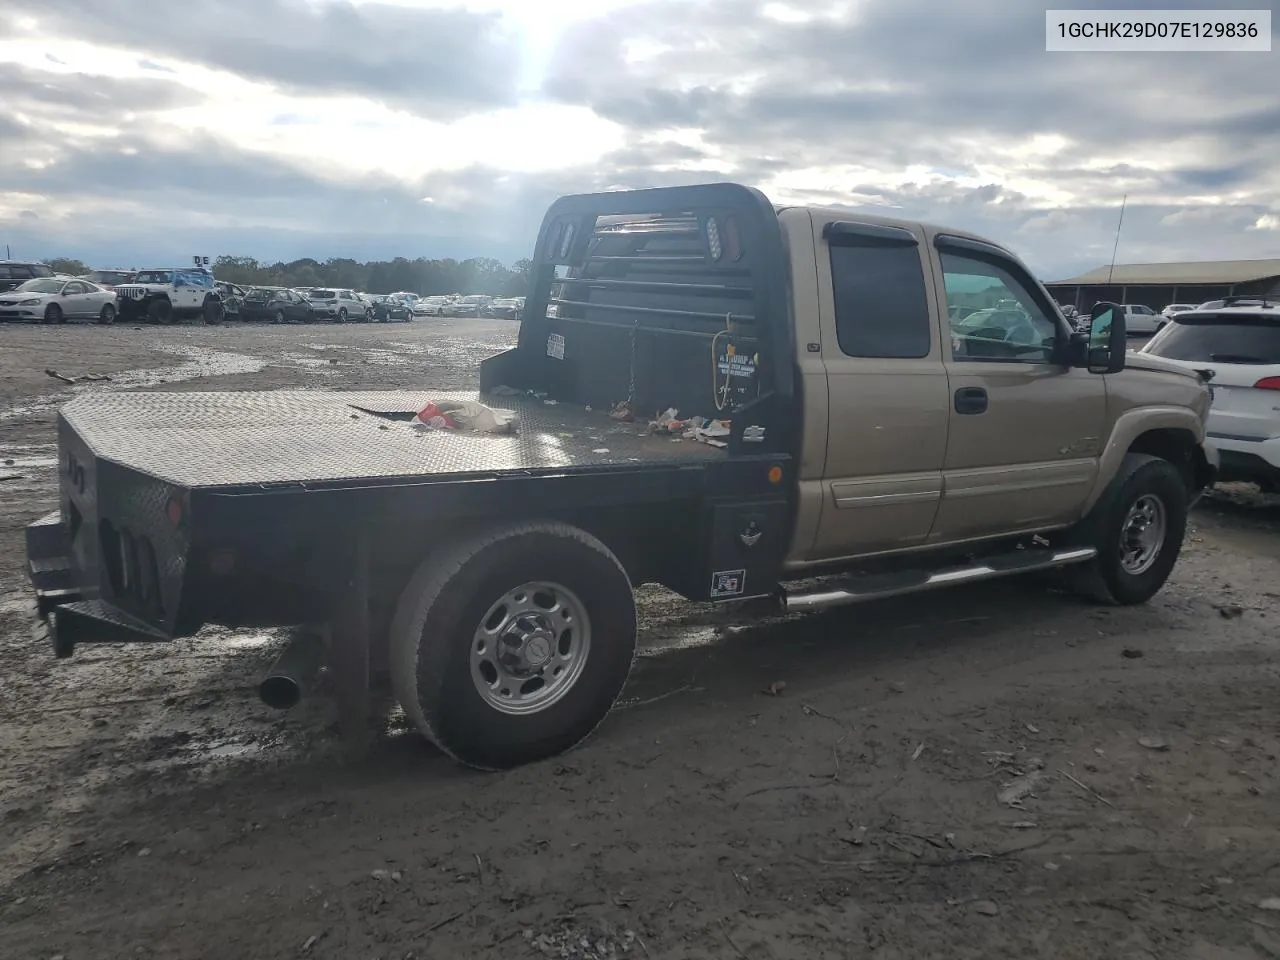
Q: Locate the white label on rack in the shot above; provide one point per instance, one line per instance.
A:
(555, 346)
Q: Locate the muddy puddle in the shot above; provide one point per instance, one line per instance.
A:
(15, 457)
(195, 362)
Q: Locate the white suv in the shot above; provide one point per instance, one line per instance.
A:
(337, 304)
(1241, 345)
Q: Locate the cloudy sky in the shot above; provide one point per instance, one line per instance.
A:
(135, 130)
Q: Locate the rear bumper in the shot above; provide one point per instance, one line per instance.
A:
(1245, 460)
(73, 618)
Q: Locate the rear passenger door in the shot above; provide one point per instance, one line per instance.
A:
(887, 390)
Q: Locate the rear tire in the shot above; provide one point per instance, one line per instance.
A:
(212, 311)
(108, 314)
(1137, 528)
(441, 635)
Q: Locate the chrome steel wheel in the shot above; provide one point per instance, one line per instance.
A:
(1142, 534)
(530, 648)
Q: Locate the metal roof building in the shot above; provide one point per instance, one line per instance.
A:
(1158, 284)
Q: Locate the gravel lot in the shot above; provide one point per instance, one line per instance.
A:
(150, 806)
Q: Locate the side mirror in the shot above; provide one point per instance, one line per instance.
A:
(1108, 340)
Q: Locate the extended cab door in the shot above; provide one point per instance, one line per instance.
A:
(887, 397)
(1026, 430)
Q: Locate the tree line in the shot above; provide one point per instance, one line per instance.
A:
(421, 276)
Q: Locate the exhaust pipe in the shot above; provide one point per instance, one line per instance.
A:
(294, 671)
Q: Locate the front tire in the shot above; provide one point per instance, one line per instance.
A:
(53, 314)
(342, 314)
(510, 645)
(1137, 529)
(160, 311)
(279, 318)
(108, 314)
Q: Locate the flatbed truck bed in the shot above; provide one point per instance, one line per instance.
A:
(207, 441)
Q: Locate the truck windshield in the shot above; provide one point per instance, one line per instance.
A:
(1219, 339)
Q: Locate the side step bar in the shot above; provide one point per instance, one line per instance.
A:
(895, 584)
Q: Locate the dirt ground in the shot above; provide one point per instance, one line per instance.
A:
(988, 772)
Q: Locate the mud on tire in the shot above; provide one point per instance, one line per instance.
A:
(450, 611)
(1134, 559)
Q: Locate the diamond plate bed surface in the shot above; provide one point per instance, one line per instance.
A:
(232, 439)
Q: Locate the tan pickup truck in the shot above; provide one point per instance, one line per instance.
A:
(730, 398)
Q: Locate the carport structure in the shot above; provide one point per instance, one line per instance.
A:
(1157, 285)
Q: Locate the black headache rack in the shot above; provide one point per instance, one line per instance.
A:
(675, 297)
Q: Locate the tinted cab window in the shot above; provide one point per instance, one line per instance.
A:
(881, 307)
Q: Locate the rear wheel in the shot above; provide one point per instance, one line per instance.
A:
(53, 314)
(1137, 529)
(510, 646)
(108, 314)
(212, 311)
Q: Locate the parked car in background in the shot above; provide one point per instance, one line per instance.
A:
(389, 308)
(14, 272)
(506, 308)
(109, 279)
(232, 298)
(1141, 319)
(1238, 302)
(1240, 343)
(330, 303)
(1175, 308)
(406, 296)
(367, 300)
(473, 305)
(57, 300)
(431, 306)
(277, 305)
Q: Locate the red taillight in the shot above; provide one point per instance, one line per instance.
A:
(174, 511)
(1268, 383)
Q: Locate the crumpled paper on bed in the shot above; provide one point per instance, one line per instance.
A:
(464, 415)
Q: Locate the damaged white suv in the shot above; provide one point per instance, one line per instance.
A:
(166, 294)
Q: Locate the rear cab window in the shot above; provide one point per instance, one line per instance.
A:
(1218, 338)
(882, 310)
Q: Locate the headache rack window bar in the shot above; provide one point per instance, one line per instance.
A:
(661, 286)
(669, 228)
(655, 311)
(673, 331)
(641, 258)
